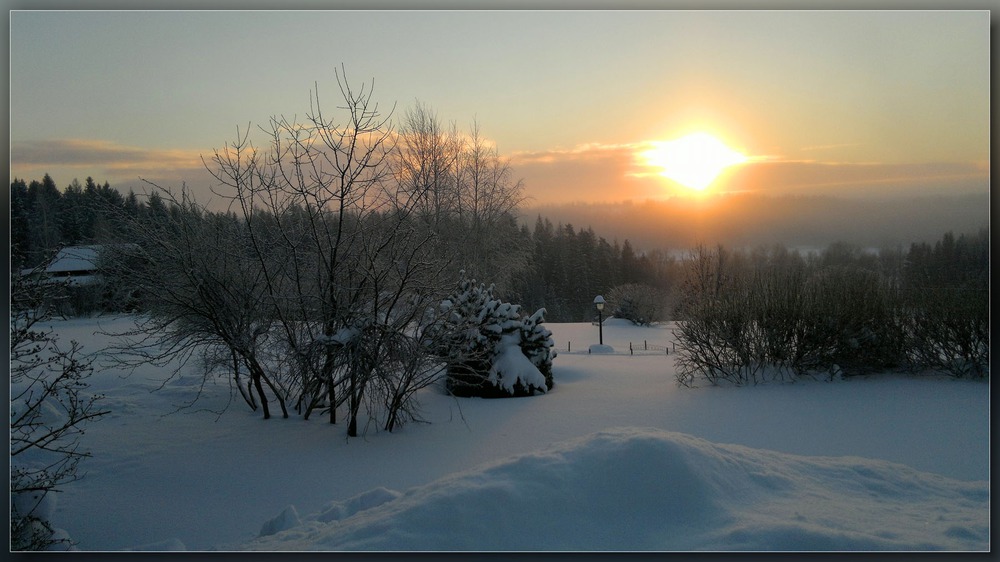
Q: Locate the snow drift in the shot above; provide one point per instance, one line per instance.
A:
(654, 490)
(207, 478)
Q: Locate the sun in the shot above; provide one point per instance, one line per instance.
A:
(694, 160)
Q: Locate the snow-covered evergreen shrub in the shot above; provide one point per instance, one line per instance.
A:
(489, 349)
(461, 340)
(537, 344)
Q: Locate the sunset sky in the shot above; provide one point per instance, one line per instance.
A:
(833, 102)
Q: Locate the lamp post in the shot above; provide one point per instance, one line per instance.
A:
(599, 303)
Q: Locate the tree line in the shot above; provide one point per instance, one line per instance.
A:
(554, 266)
(43, 218)
(570, 266)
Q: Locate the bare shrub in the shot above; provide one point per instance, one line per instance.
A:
(747, 318)
(640, 304)
(49, 409)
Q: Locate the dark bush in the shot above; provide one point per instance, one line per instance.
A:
(746, 318)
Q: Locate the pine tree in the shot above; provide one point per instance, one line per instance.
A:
(76, 223)
(20, 242)
(537, 345)
(44, 224)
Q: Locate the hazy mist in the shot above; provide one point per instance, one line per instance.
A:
(746, 220)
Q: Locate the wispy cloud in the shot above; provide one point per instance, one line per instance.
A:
(867, 178)
(123, 167)
(586, 172)
(587, 151)
(91, 152)
(829, 146)
(592, 172)
(101, 159)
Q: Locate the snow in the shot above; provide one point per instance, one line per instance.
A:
(615, 457)
(287, 519)
(512, 365)
(654, 490)
(73, 259)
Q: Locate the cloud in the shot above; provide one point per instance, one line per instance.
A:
(122, 166)
(806, 177)
(98, 153)
(597, 172)
(582, 152)
(828, 146)
(592, 172)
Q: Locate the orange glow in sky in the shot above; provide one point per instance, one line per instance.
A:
(817, 101)
(694, 160)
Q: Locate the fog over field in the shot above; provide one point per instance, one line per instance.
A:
(747, 220)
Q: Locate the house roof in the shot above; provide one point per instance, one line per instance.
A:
(73, 259)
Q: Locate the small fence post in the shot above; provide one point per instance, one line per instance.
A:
(630, 348)
(569, 346)
(645, 345)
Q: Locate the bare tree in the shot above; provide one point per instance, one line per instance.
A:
(346, 271)
(321, 281)
(489, 198)
(202, 297)
(468, 193)
(428, 163)
(49, 408)
(851, 321)
(714, 324)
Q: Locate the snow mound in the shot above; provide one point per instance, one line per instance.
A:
(653, 490)
(41, 506)
(599, 348)
(335, 511)
(287, 519)
(36, 503)
(170, 545)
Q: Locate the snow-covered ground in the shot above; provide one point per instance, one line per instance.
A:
(616, 457)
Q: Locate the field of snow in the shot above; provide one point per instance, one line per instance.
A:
(616, 457)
